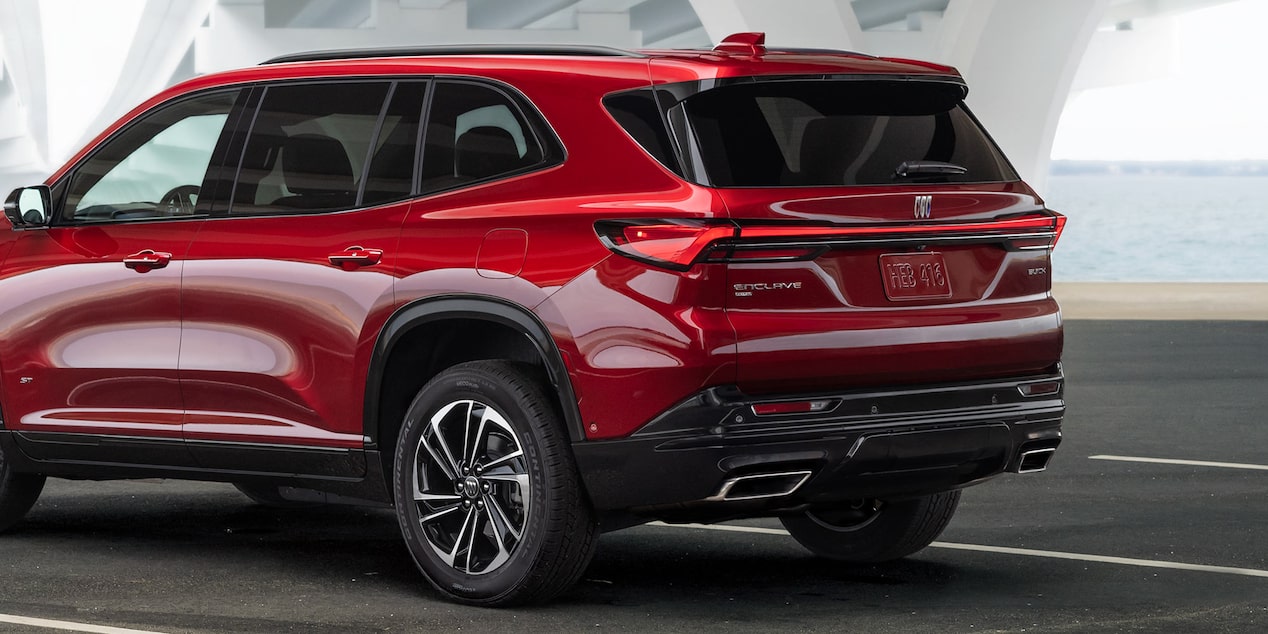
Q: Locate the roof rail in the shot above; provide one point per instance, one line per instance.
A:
(476, 49)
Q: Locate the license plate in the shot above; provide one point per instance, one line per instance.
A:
(915, 276)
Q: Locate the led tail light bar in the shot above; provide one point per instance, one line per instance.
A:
(678, 244)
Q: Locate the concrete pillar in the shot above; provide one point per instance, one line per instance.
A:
(26, 109)
(168, 28)
(1018, 56)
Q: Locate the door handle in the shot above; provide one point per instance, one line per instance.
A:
(147, 260)
(356, 257)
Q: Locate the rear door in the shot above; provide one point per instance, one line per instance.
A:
(883, 238)
(289, 282)
(91, 310)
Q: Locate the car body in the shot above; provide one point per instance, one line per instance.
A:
(543, 291)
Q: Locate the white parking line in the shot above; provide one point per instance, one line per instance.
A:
(1190, 463)
(69, 626)
(1003, 550)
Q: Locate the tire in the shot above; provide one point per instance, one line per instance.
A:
(487, 492)
(874, 532)
(269, 495)
(18, 493)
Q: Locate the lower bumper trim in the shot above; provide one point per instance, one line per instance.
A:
(709, 453)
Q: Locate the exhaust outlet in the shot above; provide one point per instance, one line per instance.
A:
(1035, 460)
(760, 485)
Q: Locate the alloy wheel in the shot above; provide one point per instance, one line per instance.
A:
(471, 486)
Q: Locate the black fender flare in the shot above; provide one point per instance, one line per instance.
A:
(421, 312)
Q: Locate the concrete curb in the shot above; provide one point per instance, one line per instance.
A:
(1163, 300)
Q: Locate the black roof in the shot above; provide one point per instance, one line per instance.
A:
(425, 51)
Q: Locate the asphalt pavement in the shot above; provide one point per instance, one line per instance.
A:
(1153, 516)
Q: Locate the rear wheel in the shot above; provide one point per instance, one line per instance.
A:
(487, 493)
(18, 493)
(874, 531)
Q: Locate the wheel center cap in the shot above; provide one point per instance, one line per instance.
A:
(470, 487)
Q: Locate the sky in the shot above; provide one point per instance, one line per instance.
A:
(1212, 106)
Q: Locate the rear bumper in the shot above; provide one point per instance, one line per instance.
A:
(712, 456)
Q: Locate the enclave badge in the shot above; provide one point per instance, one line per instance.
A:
(924, 206)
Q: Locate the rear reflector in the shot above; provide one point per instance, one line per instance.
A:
(790, 407)
(1042, 388)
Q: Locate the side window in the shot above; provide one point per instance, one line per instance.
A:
(308, 148)
(154, 168)
(475, 133)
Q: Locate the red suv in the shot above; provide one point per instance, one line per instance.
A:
(528, 294)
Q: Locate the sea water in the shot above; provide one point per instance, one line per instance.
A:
(1146, 228)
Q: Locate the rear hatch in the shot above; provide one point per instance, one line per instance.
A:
(881, 238)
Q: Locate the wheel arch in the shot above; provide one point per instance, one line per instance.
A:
(419, 336)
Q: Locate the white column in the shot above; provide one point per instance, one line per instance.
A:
(802, 23)
(165, 33)
(22, 39)
(1020, 58)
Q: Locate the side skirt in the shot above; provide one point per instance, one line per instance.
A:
(326, 475)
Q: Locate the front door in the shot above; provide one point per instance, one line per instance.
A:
(90, 322)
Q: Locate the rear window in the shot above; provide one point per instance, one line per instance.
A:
(835, 133)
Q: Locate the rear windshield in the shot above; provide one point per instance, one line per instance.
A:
(835, 133)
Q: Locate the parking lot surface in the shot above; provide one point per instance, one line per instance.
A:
(1153, 516)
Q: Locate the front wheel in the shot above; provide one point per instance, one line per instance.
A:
(487, 493)
(873, 531)
(18, 493)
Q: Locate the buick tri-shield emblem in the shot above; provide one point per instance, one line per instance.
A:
(924, 206)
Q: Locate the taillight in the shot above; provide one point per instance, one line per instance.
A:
(679, 243)
(674, 244)
(1060, 220)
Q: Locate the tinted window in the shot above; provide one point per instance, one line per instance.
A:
(638, 113)
(811, 133)
(308, 147)
(153, 168)
(391, 172)
(475, 133)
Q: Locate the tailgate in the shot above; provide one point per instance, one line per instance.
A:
(870, 300)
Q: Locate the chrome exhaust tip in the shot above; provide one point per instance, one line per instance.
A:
(759, 486)
(1035, 460)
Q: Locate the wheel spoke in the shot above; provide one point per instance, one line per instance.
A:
(467, 444)
(444, 456)
(504, 459)
(420, 496)
(499, 537)
(475, 524)
(452, 555)
(479, 437)
(505, 521)
(427, 519)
